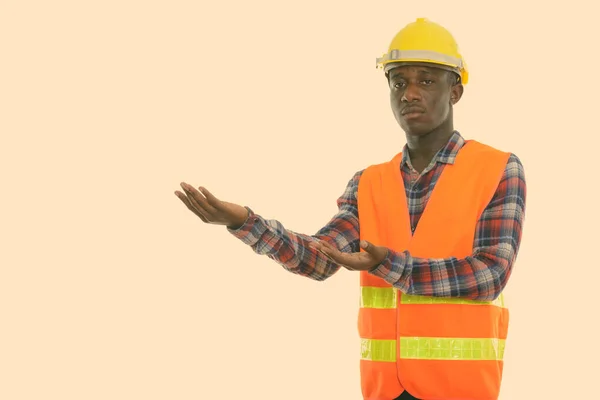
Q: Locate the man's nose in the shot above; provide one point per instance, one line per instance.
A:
(411, 93)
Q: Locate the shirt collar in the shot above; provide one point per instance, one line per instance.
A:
(446, 155)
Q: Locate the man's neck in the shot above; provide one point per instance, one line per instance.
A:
(422, 149)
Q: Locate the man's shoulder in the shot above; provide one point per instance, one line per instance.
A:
(486, 156)
(483, 150)
(476, 146)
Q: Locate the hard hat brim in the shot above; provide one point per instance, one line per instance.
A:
(434, 59)
(388, 67)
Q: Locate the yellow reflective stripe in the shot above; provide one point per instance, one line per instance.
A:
(410, 299)
(387, 297)
(473, 349)
(377, 297)
(378, 350)
(452, 348)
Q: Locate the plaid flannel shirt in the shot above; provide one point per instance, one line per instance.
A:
(480, 276)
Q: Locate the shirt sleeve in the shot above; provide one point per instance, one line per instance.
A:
(290, 249)
(482, 275)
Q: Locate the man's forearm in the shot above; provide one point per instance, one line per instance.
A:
(290, 249)
(480, 277)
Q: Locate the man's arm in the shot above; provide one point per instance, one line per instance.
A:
(292, 251)
(484, 274)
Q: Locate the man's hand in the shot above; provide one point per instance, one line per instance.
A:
(361, 261)
(210, 209)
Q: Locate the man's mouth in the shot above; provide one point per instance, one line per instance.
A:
(412, 111)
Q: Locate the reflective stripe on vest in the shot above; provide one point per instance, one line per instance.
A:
(433, 347)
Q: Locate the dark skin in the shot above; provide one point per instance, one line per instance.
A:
(429, 91)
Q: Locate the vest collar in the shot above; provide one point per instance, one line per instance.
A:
(446, 155)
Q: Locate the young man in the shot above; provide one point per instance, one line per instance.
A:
(433, 233)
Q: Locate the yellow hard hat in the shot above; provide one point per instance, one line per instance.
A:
(424, 41)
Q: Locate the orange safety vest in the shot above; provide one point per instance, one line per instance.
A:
(436, 348)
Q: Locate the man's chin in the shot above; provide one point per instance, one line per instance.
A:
(415, 128)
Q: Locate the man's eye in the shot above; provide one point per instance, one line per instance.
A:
(398, 85)
(427, 81)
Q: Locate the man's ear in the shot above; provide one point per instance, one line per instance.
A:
(456, 93)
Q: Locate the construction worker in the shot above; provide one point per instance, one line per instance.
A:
(433, 234)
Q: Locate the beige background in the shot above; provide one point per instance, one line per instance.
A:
(111, 289)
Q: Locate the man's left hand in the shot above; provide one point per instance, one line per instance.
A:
(360, 261)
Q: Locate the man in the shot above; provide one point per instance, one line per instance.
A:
(433, 233)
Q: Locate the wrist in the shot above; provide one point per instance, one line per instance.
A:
(239, 221)
(381, 261)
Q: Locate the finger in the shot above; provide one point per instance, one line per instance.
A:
(314, 245)
(329, 246)
(185, 200)
(213, 204)
(318, 246)
(334, 254)
(332, 250)
(369, 247)
(195, 202)
(352, 261)
(377, 252)
(210, 198)
(198, 200)
(327, 256)
(331, 260)
(321, 246)
(189, 199)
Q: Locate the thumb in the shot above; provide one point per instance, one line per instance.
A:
(367, 246)
(377, 251)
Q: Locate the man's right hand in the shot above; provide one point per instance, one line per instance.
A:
(210, 209)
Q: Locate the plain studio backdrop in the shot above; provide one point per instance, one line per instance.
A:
(111, 289)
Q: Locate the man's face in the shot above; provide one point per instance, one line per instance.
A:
(421, 97)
